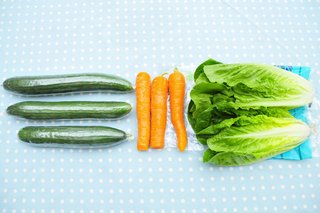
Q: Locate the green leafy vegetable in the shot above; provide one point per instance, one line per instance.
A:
(255, 85)
(246, 140)
(246, 133)
(250, 139)
(199, 69)
(241, 111)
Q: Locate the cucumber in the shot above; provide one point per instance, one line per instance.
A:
(72, 136)
(37, 85)
(69, 109)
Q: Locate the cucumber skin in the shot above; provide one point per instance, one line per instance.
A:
(37, 85)
(69, 109)
(72, 135)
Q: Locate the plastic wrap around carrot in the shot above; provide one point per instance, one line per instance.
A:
(159, 96)
(143, 104)
(177, 85)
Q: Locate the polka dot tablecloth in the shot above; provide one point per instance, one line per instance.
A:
(124, 37)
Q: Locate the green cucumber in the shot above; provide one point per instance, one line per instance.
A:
(37, 85)
(69, 109)
(72, 136)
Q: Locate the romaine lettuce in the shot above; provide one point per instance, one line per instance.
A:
(255, 138)
(241, 111)
(255, 85)
(246, 133)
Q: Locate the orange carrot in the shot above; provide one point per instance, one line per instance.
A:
(177, 84)
(159, 95)
(143, 95)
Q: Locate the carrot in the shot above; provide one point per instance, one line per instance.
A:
(159, 95)
(177, 84)
(143, 96)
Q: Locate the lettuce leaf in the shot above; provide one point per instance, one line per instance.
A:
(228, 158)
(255, 85)
(199, 69)
(239, 117)
(251, 139)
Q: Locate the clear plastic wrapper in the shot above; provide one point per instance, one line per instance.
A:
(170, 137)
(42, 85)
(82, 137)
(70, 110)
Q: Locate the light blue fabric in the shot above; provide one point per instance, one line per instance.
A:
(125, 37)
(303, 151)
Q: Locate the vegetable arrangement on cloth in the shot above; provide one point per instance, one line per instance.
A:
(241, 111)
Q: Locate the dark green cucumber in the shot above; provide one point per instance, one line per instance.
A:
(48, 84)
(72, 136)
(69, 109)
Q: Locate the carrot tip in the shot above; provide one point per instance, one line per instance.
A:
(181, 149)
(182, 146)
(140, 148)
(156, 146)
